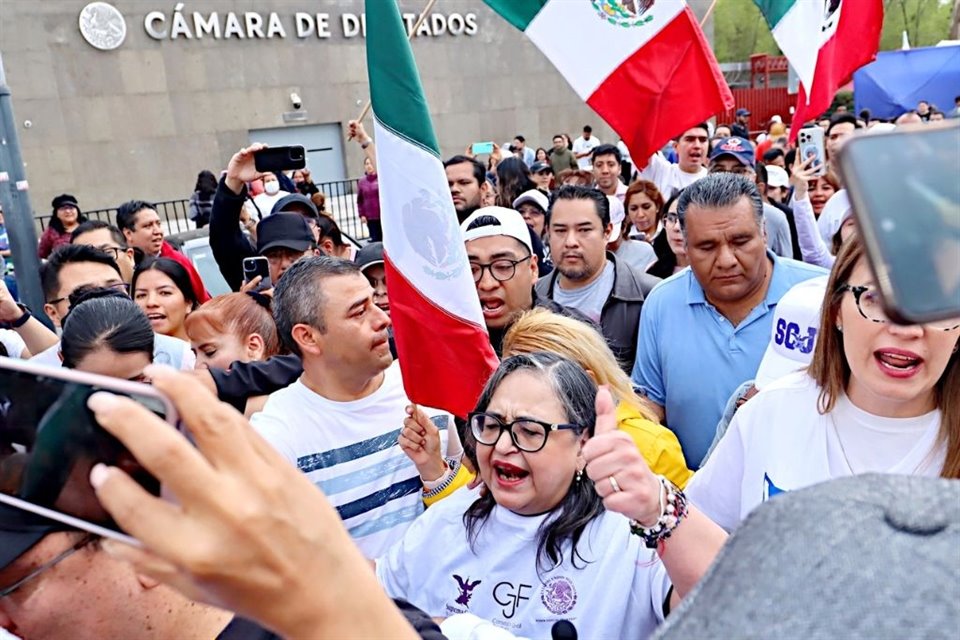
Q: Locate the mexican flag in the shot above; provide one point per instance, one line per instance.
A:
(442, 343)
(643, 65)
(825, 42)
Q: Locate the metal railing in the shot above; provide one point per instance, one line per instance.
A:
(341, 205)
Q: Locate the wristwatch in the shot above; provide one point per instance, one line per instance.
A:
(19, 322)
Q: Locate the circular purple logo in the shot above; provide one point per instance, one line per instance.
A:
(559, 595)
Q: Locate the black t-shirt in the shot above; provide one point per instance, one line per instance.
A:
(423, 624)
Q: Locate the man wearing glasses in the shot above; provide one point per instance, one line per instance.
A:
(504, 269)
(109, 239)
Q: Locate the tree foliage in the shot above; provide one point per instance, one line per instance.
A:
(739, 30)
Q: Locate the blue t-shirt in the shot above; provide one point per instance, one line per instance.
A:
(690, 358)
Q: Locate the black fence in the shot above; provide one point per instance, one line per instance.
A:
(341, 205)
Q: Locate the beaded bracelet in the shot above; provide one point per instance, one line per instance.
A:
(673, 509)
(431, 493)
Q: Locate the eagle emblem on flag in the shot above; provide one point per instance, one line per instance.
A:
(624, 13)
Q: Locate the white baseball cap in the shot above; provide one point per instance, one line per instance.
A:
(617, 214)
(535, 196)
(796, 321)
(510, 224)
(834, 214)
(777, 176)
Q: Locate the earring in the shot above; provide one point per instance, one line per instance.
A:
(840, 328)
(579, 475)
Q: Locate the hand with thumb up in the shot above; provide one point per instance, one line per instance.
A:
(620, 474)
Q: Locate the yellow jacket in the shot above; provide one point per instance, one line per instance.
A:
(657, 444)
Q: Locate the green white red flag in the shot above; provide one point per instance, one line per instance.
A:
(825, 42)
(644, 66)
(442, 342)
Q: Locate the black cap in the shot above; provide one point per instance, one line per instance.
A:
(64, 199)
(540, 166)
(21, 530)
(369, 255)
(283, 204)
(288, 230)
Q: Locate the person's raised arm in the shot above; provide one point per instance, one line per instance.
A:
(227, 242)
(813, 249)
(358, 133)
(248, 531)
(692, 540)
(34, 334)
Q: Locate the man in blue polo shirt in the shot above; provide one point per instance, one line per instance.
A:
(704, 330)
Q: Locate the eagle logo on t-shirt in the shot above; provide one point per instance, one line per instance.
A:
(466, 589)
(770, 489)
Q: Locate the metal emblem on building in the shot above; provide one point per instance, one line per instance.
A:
(102, 26)
(624, 13)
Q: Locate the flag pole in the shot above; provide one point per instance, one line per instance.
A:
(706, 16)
(410, 36)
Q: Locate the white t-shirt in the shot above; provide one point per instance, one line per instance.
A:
(588, 300)
(778, 442)
(264, 202)
(580, 145)
(637, 253)
(616, 591)
(170, 351)
(668, 177)
(12, 342)
(350, 451)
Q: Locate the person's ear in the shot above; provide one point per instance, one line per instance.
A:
(131, 255)
(308, 339)
(327, 246)
(607, 230)
(592, 376)
(127, 234)
(255, 346)
(534, 265)
(147, 582)
(484, 187)
(51, 312)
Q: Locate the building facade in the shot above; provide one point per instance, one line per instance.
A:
(132, 99)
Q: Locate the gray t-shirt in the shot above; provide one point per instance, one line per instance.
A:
(588, 300)
(637, 253)
(778, 231)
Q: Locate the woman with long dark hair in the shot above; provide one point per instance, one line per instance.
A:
(513, 178)
(669, 244)
(565, 528)
(878, 397)
(201, 201)
(161, 287)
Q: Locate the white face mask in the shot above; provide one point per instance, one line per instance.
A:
(271, 188)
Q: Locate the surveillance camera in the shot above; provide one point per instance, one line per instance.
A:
(295, 100)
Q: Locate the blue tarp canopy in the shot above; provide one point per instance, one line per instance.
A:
(897, 80)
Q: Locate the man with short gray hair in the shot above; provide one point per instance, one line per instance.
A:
(340, 421)
(704, 331)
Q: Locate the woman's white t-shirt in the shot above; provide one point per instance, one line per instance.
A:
(778, 441)
(616, 591)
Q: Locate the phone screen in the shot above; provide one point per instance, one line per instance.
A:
(49, 442)
(905, 191)
(482, 147)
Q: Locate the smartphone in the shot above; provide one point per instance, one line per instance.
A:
(257, 266)
(482, 147)
(280, 158)
(50, 440)
(810, 145)
(904, 187)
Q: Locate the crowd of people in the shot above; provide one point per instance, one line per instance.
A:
(682, 337)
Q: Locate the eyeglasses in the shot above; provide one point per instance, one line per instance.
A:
(526, 434)
(501, 270)
(116, 286)
(870, 306)
(113, 251)
(671, 218)
(46, 566)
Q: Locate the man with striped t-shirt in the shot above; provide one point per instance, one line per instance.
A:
(339, 422)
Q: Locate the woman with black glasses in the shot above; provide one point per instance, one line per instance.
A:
(570, 525)
(877, 398)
